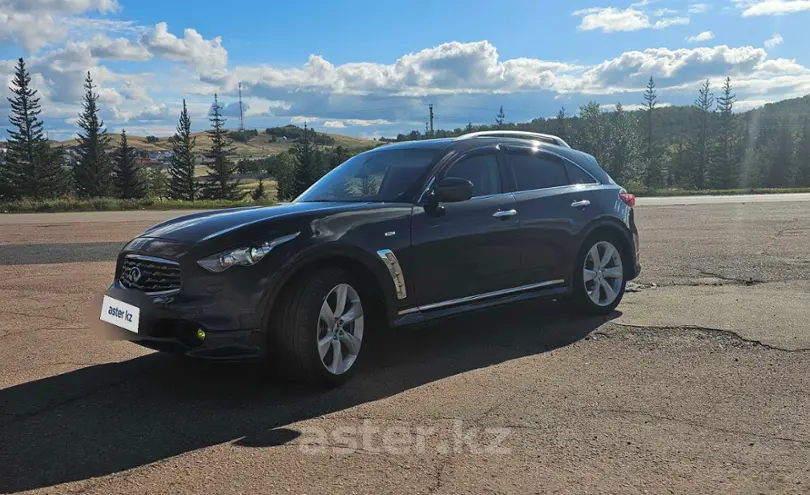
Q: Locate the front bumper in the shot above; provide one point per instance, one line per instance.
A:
(169, 324)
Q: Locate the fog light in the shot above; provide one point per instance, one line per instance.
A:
(201, 334)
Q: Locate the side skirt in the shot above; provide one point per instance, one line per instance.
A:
(416, 316)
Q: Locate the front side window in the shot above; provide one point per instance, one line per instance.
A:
(537, 171)
(481, 170)
(383, 176)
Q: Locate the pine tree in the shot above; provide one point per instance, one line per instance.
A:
(701, 147)
(726, 159)
(561, 125)
(469, 128)
(500, 119)
(258, 193)
(654, 176)
(304, 153)
(183, 184)
(338, 155)
(780, 168)
(282, 169)
(219, 184)
(31, 168)
(802, 156)
(128, 182)
(92, 170)
(623, 154)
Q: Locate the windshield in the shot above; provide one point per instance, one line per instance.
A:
(384, 175)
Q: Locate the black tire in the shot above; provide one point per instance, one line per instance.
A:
(294, 323)
(579, 299)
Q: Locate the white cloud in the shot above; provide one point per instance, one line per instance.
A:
(632, 107)
(773, 7)
(192, 48)
(753, 8)
(773, 41)
(117, 49)
(134, 91)
(698, 8)
(334, 124)
(631, 70)
(152, 113)
(38, 23)
(745, 105)
(780, 66)
(704, 36)
(612, 19)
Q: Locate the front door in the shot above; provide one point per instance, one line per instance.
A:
(470, 247)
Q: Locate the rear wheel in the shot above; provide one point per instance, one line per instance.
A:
(599, 277)
(318, 328)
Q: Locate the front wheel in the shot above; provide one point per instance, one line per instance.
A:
(599, 277)
(318, 328)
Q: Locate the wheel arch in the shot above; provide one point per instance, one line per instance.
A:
(371, 271)
(614, 226)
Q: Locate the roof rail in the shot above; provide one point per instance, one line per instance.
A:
(532, 136)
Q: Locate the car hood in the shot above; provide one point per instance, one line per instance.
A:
(201, 227)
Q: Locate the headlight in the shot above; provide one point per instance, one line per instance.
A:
(246, 256)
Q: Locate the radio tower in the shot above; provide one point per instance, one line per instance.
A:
(241, 113)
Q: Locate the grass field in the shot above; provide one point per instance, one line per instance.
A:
(261, 145)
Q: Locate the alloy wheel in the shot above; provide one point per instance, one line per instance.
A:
(340, 329)
(603, 273)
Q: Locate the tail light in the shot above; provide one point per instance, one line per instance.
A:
(629, 199)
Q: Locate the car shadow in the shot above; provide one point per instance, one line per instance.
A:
(109, 418)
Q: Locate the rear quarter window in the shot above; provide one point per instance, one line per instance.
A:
(578, 176)
(537, 171)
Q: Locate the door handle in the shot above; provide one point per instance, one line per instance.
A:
(504, 213)
(580, 204)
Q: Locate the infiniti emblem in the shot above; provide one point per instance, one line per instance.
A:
(133, 275)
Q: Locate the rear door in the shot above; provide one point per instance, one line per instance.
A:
(556, 201)
(470, 247)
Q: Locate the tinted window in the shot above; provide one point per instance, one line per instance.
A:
(537, 172)
(578, 176)
(481, 170)
(384, 175)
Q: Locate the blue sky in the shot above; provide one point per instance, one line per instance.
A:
(371, 68)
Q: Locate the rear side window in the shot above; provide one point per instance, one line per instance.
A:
(578, 176)
(537, 171)
(481, 170)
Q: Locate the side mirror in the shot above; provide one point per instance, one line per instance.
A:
(452, 190)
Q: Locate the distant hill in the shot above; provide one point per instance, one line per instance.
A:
(260, 145)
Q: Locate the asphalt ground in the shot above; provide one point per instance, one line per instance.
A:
(700, 383)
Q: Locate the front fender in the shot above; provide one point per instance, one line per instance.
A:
(333, 253)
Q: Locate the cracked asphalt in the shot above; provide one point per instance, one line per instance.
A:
(699, 384)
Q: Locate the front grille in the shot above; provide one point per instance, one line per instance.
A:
(149, 274)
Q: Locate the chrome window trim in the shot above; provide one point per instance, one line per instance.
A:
(395, 270)
(478, 297)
